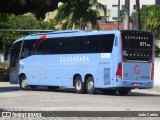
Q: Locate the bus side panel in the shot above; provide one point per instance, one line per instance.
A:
(36, 69)
(60, 69)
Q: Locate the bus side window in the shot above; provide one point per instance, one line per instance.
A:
(27, 49)
(116, 41)
(80, 44)
(60, 45)
(41, 48)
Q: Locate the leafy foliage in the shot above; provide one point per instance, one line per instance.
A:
(78, 13)
(150, 19)
(11, 21)
(153, 19)
(157, 51)
(3, 65)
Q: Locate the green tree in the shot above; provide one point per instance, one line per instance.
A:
(27, 22)
(3, 24)
(78, 13)
(151, 16)
(157, 51)
(150, 19)
(11, 21)
(121, 15)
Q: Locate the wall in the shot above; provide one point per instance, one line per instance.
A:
(112, 26)
(1, 58)
(157, 72)
(114, 10)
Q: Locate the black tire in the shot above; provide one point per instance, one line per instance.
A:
(90, 85)
(109, 92)
(123, 92)
(79, 86)
(22, 83)
(52, 88)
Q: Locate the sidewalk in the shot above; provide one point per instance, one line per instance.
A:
(156, 88)
(157, 72)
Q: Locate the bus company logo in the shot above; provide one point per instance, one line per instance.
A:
(136, 70)
(128, 37)
(75, 59)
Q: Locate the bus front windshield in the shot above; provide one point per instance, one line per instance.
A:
(137, 45)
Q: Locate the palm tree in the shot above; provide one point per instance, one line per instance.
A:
(77, 13)
(137, 15)
(153, 19)
(126, 17)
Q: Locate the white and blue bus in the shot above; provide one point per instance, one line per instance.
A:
(110, 61)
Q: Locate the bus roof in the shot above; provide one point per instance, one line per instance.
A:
(66, 33)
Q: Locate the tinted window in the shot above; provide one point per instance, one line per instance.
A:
(100, 44)
(33, 47)
(137, 40)
(137, 45)
(27, 49)
(40, 48)
(60, 45)
(69, 45)
(81, 44)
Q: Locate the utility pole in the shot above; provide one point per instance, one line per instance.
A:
(126, 17)
(118, 13)
(118, 6)
(137, 15)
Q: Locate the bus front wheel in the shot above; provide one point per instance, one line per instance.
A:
(90, 85)
(79, 85)
(23, 84)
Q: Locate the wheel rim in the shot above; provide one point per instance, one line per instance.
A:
(90, 85)
(78, 85)
(23, 84)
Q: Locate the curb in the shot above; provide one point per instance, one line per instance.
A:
(156, 88)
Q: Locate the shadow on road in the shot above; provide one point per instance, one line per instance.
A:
(6, 87)
(140, 94)
(61, 90)
(9, 89)
(71, 90)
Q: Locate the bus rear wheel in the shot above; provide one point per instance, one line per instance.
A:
(90, 85)
(79, 86)
(23, 84)
(123, 92)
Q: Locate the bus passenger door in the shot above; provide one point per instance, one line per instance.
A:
(37, 63)
(14, 63)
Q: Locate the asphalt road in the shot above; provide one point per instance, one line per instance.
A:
(65, 99)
